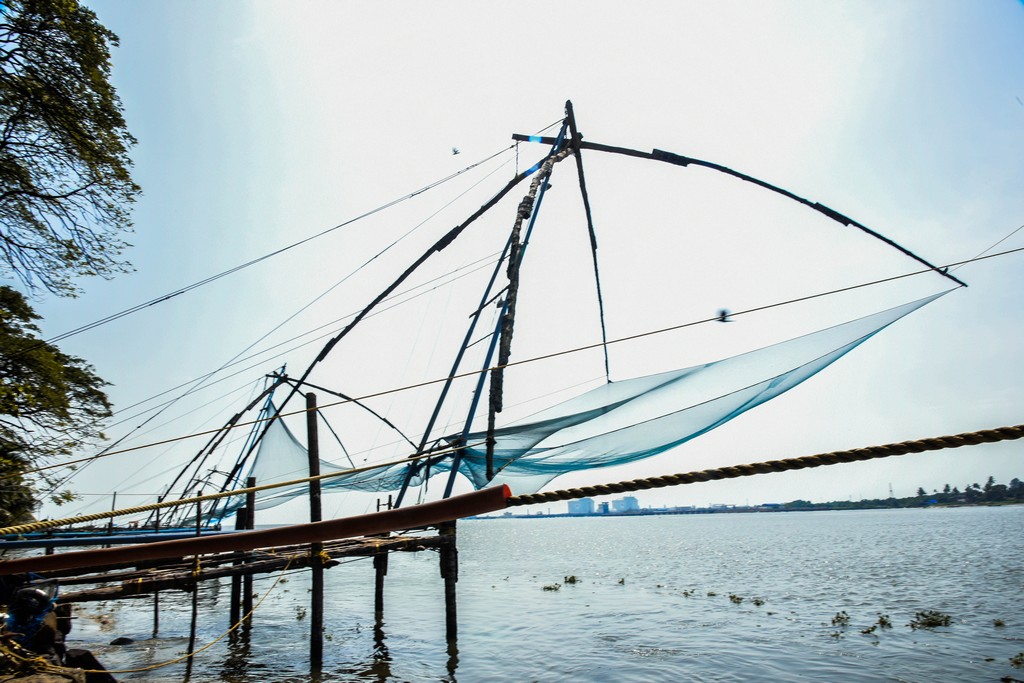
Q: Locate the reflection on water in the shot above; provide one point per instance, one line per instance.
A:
(730, 597)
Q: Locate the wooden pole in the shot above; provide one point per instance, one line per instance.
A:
(380, 566)
(110, 524)
(450, 574)
(316, 622)
(490, 499)
(195, 596)
(250, 523)
(156, 594)
(241, 515)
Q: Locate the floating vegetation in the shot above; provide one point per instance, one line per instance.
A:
(930, 618)
(757, 602)
(884, 621)
(687, 593)
(735, 599)
(841, 619)
(1018, 660)
(571, 580)
(552, 586)
(998, 623)
(300, 613)
(712, 594)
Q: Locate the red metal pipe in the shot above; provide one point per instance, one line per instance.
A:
(427, 514)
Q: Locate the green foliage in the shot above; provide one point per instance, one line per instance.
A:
(65, 186)
(973, 494)
(50, 403)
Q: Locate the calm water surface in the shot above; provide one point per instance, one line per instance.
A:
(652, 603)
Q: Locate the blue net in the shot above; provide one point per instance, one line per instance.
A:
(617, 423)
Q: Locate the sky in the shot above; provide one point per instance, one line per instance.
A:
(261, 124)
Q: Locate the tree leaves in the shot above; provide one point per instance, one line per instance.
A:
(65, 185)
(50, 403)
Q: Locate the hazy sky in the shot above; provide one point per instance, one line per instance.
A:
(263, 123)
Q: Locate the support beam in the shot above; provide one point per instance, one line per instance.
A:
(380, 567)
(316, 608)
(450, 574)
(250, 523)
(428, 514)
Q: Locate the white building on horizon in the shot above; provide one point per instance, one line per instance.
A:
(627, 504)
(583, 506)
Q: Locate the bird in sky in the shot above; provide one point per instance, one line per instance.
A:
(455, 150)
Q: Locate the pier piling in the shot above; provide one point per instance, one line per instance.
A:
(450, 573)
(316, 612)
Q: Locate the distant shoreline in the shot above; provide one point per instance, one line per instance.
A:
(815, 507)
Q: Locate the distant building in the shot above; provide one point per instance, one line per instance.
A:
(627, 504)
(602, 509)
(583, 506)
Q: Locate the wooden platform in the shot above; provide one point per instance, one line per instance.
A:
(135, 581)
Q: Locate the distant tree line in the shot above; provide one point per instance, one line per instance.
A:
(972, 494)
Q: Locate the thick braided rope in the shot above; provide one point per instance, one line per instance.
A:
(819, 460)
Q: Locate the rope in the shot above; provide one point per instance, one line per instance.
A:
(53, 523)
(525, 361)
(819, 460)
(234, 627)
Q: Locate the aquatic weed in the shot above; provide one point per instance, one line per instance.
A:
(1018, 660)
(884, 621)
(757, 602)
(735, 599)
(552, 586)
(841, 619)
(930, 618)
(998, 623)
(571, 579)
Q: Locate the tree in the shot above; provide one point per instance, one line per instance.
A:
(50, 403)
(65, 188)
(921, 491)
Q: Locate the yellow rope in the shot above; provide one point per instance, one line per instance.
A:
(821, 459)
(53, 523)
(59, 669)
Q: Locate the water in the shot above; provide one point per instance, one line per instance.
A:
(652, 603)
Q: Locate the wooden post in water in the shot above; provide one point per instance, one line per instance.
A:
(241, 520)
(450, 573)
(316, 622)
(195, 595)
(156, 594)
(250, 523)
(380, 566)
